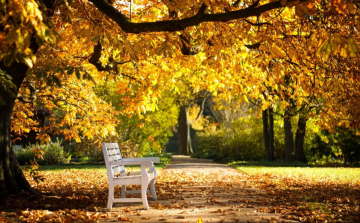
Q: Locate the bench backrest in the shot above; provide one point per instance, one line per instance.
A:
(112, 153)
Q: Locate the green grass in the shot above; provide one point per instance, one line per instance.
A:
(340, 174)
(165, 159)
(81, 166)
(61, 167)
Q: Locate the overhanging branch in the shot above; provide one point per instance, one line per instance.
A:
(177, 25)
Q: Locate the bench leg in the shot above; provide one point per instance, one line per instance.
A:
(144, 186)
(123, 191)
(152, 189)
(111, 197)
(144, 197)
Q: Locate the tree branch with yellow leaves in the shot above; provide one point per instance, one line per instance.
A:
(177, 25)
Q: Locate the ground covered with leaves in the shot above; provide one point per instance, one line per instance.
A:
(187, 193)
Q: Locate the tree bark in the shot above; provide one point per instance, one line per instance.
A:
(9, 171)
(268, 131)
(7, 180)
(289, 136)
(271, 134)
(12, 180)
(185, 147)
(299, 139)
(180, 24)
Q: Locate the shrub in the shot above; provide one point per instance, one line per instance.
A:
(165, 158)
(242, 140)
(53, 154)
(343, 145)
(24, 155)
(86, 159)
(86, 148)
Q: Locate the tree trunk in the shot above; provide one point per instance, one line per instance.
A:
(289, 136)
(7, 179)
(271, 134)
(185, 147)
(299, 139)
(12, 180)
(11, 177)
(268, 131)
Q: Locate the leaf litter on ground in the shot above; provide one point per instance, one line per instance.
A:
(81, 196)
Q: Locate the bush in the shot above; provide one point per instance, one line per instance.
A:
(86, 148)
(86, 159)
(24, 155)
(165, 158)
(343, 146)
(243, 140)
(53, 154)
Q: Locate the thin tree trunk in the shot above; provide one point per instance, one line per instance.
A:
(266, 133)
(188, 134)
(289, 136)
(185, 147)
(271, 134)
(299, 139)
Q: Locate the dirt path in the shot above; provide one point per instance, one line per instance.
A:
(190, 188)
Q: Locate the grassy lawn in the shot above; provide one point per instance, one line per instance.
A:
(74, 166)
(98, 165)
(312, 194)
(338, 174)
(90, 166)
(314, 173)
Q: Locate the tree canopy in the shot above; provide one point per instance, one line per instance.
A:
(303, 54)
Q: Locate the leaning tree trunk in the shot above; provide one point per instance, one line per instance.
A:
(185, 147)
(289, 136)
(299, 139)
(12, 179)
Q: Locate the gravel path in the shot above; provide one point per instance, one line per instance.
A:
(186, 163)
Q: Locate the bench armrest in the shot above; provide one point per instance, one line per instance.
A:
(153, 159)
(148, 163)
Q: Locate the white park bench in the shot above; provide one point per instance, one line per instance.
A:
(117, 175)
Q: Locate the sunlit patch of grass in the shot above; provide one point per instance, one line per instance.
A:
(89, 167)
(61, 167)
(164, 160)
(321, 194)
(339, 174)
